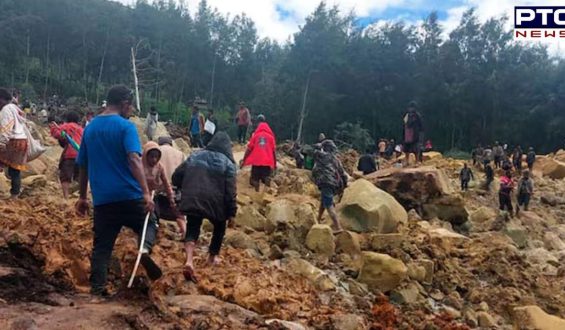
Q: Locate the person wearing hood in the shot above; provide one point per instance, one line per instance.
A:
(261, 154)
(330, 177)
(207, 180)
(158, 182)
(151, 123)
(171, 158)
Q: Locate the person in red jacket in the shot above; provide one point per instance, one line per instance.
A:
(68, 170)
(260, 154)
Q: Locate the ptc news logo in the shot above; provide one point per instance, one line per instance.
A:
(539, 22)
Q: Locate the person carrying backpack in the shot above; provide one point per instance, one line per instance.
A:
(505, 192)
(525, 190)
(531, 158)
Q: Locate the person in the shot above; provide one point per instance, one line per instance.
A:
(43, 116)
(261, 154)
(505, 192)
(525, 190)
(465, 176)
(498, 154)
(158, 181)
(308, 152)
(68, 169)
(429, 147)
(207, 180)
(13, 141)
(531, 158)
(196, 128)
(517, 158)
(171, 158)
(487, 156)
(296, 153)
(209, 129)
(390, 149)
(151, 123)
(381, 147)
(88, 118)
(489, 176)
(110, 159)
(477, 155)
(243, 120)
(506, 163)
(413, 131)
(329, 176)
(321, 137)
(367, 163)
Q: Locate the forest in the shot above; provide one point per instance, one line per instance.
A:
(473, 85)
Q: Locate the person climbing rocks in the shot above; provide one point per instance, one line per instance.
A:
(505, 193)
(110, 159)
(210, 127)
(517, 158)
(487, 156)
(207, 181)
(390, 149)
(531, 158)
(171, 159)
(330, 177)
(477, 155)
(489, 176)
(68, 169)
(296, 153)
(413, 132)
(321, 137)
(243, 121)
(367, 163)
(261, 154)
(158, 182)
(498, 154)
(13, 141)
(465, 176)
(381, 147)
(525, 191)
(506, 163)
(196, 127)
(151, 123)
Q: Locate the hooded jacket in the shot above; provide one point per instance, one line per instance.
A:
(155, 176)
(261, 148)
(207, 180)
(328, 171)
(171, 158)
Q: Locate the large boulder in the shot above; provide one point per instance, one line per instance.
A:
(249, 216)
(431, 155)
(349, 243)
(366, 208)
(533, 317)
(140, 123)
(320, 239)
(4, 186)
(482, 214)
(288, 214)
(316, 276)
(449, 208)
(552, 168)
(382, 272)
(295, 181)
(182, 145)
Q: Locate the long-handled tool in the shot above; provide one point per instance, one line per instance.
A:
(142, 241)
(69, 138)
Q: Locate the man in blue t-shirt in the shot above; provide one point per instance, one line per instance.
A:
(195, 128)
(110, 158)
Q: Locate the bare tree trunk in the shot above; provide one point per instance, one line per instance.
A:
(136, 82)
(303, 108)
(213, 79)
(85, 62)
(27, 57)
(47, 65)
(99, 81)
(157, 84)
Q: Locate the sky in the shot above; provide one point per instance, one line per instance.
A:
(280, 19)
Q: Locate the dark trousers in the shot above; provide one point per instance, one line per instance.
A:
(193, 226)
(108, 221)
(524, 200)
(530, 166)
(206, 138)
(488, 183)
(497, 161)
(241, 134)
(505, 202)
(16, 180)
(196, 141)
(464, 184)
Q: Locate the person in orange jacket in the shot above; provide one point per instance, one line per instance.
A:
(261, 154)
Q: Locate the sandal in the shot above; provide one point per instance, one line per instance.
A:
(189, 274)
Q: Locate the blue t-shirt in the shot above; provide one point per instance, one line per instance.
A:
(195, 124)
(104, 149)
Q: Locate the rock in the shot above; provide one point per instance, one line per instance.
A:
(483, 306)
(454, 313)
(35, 167)
(203, 307)
(408, 294)
(471, 318)
(485, 320)
(482, 214)
(381, 271)
(429, 267)
(552, 168)
(4, 186)
(35, 181)
(446, 238)
(296, 181)
(348, 242)
(431, 155)
(320, 239)
(24, 323)
(348, 322)
(357, 288)
(517, 233)
(316, 276)
(139, 123)
(300, 217)
(552, 199)
(248, 216)
(416, 272)
(553, 242)
(448, 208)
(366, 208)
(182, 145)
(284, 325)
(381, 242)
(540, 256)
(533, 317)
(239, 240)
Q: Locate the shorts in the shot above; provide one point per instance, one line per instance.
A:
(261, 174)
(412, 148)
(68, 170)
(327, 197)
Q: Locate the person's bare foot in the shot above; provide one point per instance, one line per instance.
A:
(189, 273)
(181, 224)
(213, 260)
